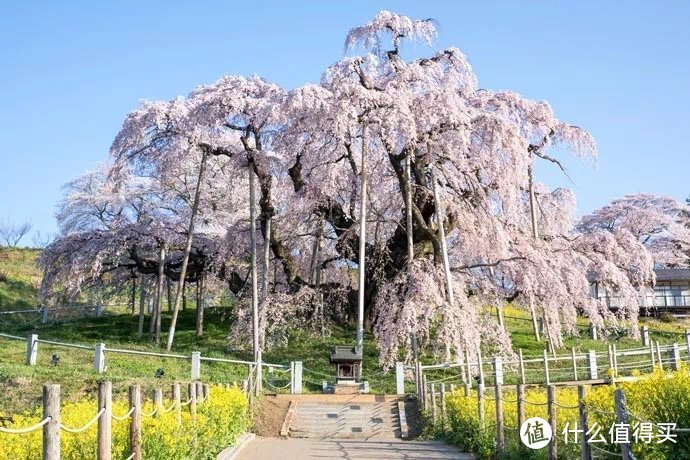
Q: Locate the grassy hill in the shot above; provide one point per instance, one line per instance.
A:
(19, 278)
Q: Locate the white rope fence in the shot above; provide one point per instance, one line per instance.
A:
(27, 429)
(88, 424)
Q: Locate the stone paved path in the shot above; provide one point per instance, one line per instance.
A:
(313, 449)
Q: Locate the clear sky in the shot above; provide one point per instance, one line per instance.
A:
(71, 70)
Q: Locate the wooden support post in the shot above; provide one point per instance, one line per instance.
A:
(158, 401)
(200, 393)
(622, 418)
(480, 402)
(592, 365)
(546, 368)
(611, 365)
(400, 378)
(675, 357)
(468, 383)
(196, 365)
(481, 367)
(192, 396)
(584, 423)
(593, 332)
(452, 388)
(644, 335)
(498, 370)
(51, 430)
(500, 435)
(572, 354)
(32, 349)
(520, 405)
(552, 453)
(207, 392)
(522, 368)
(658, 355)
(135, 424)
(105, 435)
(177, 399)
(615, 360)
(443, 406)
(433, 403)
(99, 358)
(425, 392)
(687, 341)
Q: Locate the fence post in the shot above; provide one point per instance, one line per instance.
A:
(687, 340)
(658, 355)
(105, 401)
(522, 368)
(500, 436)
(615, 360)
(192, 397)
(51, 430)
(480, 402)
(99, 358)
(177, 400)
(207, 392)
(44, 315)
(443, 406)
(611, 365)
(520, 405)
(199, 393)
(644, 333)
(498, 370)
(468, 383)
(541, 325)
(572, 354)
(196, 365)
(481, 367)
(99, 309)
(675, 357)
(553, 445)
(298, 377)
(158, 401)
(425, 393)
(593, 332)
(546, 367)
(433, 403)
(584, 423)
(399, 378)
(592, 364)
(622, 418)
(32, 349)
(135, 425)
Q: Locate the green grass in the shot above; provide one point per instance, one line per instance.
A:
(19, 278)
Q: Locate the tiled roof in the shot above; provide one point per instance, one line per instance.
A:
(672, 274)
(345, 353)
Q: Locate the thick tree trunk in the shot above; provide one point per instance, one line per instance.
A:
(187, 250)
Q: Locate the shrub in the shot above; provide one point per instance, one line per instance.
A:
(4, 276)
(666, 317)
(219, 423)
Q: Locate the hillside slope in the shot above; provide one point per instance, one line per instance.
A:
(19, 278)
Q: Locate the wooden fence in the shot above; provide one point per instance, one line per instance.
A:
(436, 396)
(198, 393)
(100, 351)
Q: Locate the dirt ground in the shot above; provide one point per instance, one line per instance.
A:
(269, 416)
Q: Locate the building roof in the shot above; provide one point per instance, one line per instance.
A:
(341, 354)
(672, 274)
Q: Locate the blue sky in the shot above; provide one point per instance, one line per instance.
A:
(71, 70)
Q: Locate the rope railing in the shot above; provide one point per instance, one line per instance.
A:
(186, 403)
(65, 345)
(172, 406)
(13, 337)
(154, 412)
(275, 387)
(88, 424)
(28, 429)
(123, 417)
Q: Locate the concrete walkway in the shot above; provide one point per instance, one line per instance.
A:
(309, 449)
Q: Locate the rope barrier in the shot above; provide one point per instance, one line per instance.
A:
(563, 406)
(155, 411)
(27, 429)
(534, 404)
(277, 387)
(123, 417)
(85, 427)
(172, 406)
(186, 403)
(130, 457)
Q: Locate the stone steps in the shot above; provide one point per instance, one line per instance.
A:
(346, 420)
